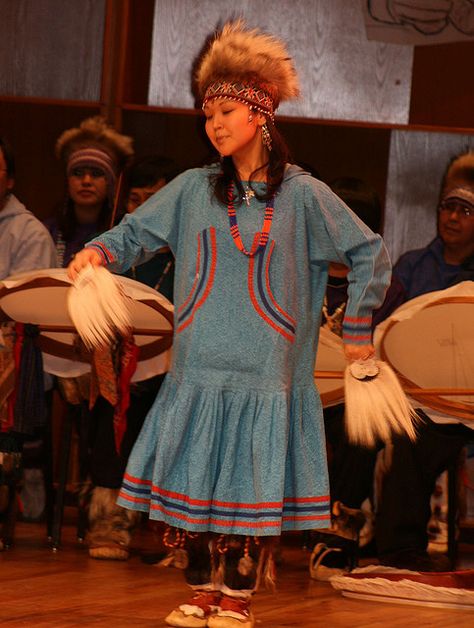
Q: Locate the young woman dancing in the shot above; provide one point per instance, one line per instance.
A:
(233, 449)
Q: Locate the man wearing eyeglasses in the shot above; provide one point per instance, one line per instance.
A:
(404, 507)
(438, 265)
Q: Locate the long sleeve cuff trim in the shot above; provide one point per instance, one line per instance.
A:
(105, 254)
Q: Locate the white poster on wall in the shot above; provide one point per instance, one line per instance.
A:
(343, 76)
(419, 22)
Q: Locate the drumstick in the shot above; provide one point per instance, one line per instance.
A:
(329, 374)
(446, 392)
(69, 329)
(408, 390)
(116, 200)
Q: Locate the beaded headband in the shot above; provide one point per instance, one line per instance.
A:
(251, 95)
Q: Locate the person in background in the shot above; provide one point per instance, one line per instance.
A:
(406, 488)
(25, 245)
(94, 155)
(404, 509)
(144, 178)
(147, 175)
(111, 526)
(351, 467)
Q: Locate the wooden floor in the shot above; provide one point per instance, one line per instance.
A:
(42, 588)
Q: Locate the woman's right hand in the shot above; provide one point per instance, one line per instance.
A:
(81, 259)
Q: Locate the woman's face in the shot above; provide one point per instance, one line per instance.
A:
(232, 127)
(87, 187)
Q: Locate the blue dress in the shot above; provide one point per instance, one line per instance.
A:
(234, 442)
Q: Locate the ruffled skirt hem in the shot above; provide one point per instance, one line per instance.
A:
(231, 461)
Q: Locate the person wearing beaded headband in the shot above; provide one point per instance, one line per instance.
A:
(233, 452)
(93, 154)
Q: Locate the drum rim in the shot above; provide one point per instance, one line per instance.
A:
(436, 402)
(161, 343)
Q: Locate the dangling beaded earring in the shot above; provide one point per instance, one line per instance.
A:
(266, 137)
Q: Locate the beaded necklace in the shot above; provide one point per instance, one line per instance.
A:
(234, 228)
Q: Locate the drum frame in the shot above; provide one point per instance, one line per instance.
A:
(433, 397)
(78, 352)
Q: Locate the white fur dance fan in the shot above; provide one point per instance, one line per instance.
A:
(98, 306)
(376, 405)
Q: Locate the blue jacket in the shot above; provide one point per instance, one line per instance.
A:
(424, 270)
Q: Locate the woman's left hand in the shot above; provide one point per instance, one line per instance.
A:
(358, 352)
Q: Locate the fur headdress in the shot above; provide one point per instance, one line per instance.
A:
(460, 173)
(95, 133)
(248, 66)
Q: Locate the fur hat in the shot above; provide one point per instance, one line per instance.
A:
(248, 66)
(95, 133)
(460, 173)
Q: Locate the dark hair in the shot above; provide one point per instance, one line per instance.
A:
(67, 222)
(148, 170)
(459, 171)
(8, 156)
(310, 169)
(361, 198)
(278, 158)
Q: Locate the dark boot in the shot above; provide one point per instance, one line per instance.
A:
(241, 563)
(191, 552)
(110, 526)
(10, 483)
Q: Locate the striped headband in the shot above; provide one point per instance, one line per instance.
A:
(95, 158)
(460, 193)
(251, 95)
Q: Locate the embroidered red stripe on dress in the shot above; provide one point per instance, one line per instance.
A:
(298, 500)
(210, 282)
(222, 522)
(196, 277)
(365, 321)
(257, 307)
(270, 294)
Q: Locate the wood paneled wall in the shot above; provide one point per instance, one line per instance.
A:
(343, 75)
(442, 86)
(333, 151)
(358, 96)
(51, 48)
(33, 129)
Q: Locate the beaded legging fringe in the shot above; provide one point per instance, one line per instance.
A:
(222, 562)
